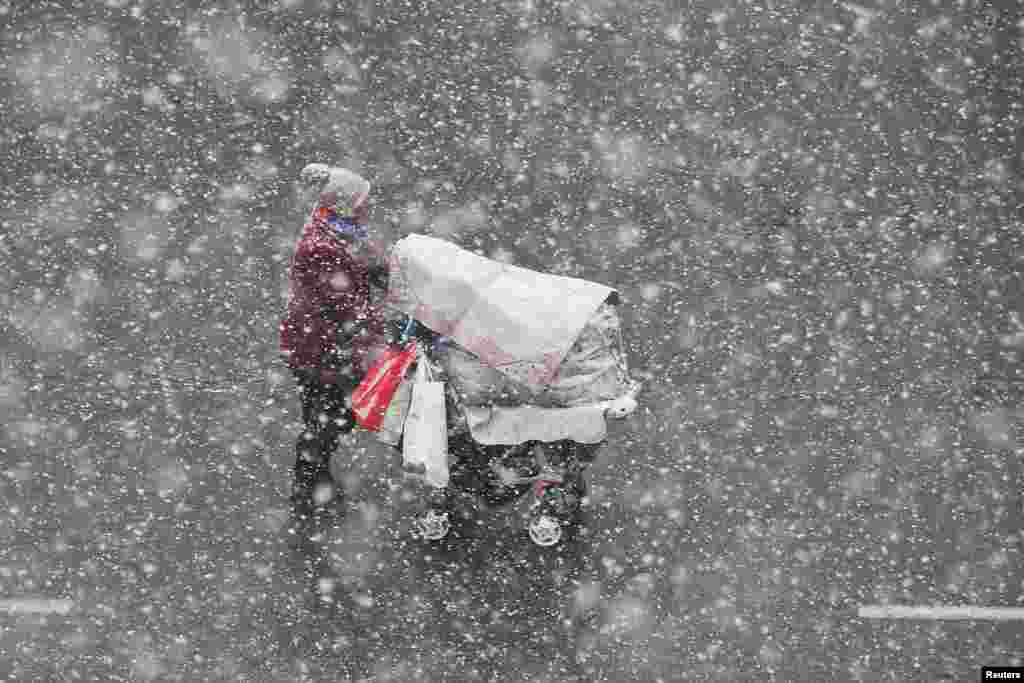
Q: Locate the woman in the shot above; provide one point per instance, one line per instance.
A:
(331, 329)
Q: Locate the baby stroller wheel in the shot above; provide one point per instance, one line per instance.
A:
(433, 525)
(545, 530)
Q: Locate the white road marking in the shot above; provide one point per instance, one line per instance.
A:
(963, 612)
(36, 606)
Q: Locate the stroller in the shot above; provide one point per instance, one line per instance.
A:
(532, 365)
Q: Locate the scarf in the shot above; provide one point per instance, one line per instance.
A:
(342, 226)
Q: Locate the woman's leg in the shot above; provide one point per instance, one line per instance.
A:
(325, 416)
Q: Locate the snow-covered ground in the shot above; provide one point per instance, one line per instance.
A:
(814, 211)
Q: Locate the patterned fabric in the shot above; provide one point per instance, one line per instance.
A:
(594, 370)
(340, 222)
(517, 321)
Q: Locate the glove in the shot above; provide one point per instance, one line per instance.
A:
(379, 276)
(311, 377)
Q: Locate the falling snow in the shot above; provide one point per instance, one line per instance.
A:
(813, 212)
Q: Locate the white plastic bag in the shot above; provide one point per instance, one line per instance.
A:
(425, 446)
(393, 425)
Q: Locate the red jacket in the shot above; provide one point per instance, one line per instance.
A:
(329, 288)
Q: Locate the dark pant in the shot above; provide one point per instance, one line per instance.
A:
(326, 416)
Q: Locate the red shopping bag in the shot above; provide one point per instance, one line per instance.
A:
(371, 398)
